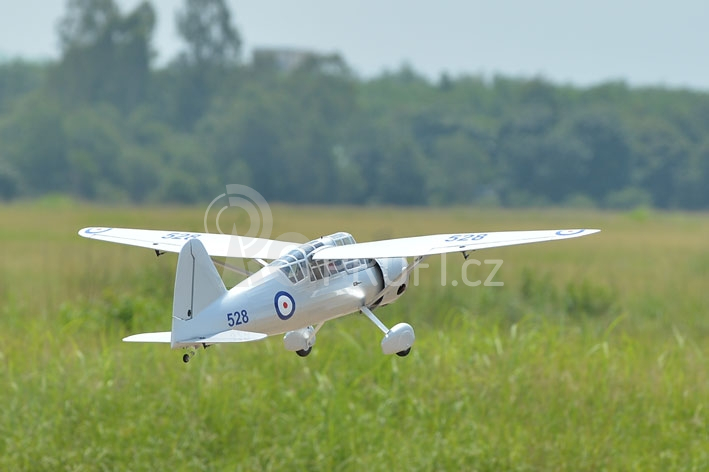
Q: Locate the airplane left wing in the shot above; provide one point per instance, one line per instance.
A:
(445, 243)
(217, 245)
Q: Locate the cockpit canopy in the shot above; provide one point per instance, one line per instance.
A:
(298, 263)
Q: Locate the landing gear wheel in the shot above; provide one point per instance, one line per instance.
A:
(304, 352)
(186, 358)
(404, 353)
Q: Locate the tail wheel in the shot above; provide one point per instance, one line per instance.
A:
(304, 352)
(188, 355)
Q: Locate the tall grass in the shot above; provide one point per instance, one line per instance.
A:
(592, 356)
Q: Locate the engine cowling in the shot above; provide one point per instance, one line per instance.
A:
(399, 338)
(395, 280)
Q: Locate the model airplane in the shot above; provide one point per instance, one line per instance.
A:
(302, 287)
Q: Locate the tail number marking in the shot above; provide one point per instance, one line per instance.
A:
(237, 318)
(460, 238)
(181, 236)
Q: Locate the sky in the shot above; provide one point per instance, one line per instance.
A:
(644, 42)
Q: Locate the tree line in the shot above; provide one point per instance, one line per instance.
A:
(104, 123)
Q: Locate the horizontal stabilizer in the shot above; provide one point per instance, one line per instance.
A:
(162, 337)
(230, 336)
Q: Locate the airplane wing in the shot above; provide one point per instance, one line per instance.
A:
(218, 245)
(230, 336)
(445, 243)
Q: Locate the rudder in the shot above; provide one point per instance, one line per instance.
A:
(197, 285)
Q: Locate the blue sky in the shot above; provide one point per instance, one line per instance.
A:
(584, 42)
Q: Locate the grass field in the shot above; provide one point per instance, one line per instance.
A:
(591, 357)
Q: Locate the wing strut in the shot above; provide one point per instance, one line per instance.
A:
(233, 268)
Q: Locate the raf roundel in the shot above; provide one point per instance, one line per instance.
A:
(285, 305)
(569, 232)
(96, 230)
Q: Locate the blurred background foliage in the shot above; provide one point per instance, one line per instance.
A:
(104, 123)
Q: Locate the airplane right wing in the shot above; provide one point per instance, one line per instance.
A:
(217, 245)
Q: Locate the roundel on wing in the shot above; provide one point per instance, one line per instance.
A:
(284, 304)
(96, 230)
(569, 232)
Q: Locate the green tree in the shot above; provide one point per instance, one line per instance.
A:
(524, 158)
(460, 170)
(18, 78)
(105, 55)
(211, 39)
(9, 181)
(393, 166)
(34, 144)
(86, 22)
(608, 166)
(212, 52)
(401, 172)
(697, 195)
(248, 133)
(94, 147)
(661, 156)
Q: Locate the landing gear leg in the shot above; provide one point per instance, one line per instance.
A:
(368, 313)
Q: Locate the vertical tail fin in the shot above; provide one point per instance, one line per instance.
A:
(197, 285)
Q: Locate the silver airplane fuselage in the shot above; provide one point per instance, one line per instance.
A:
(296, 292)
